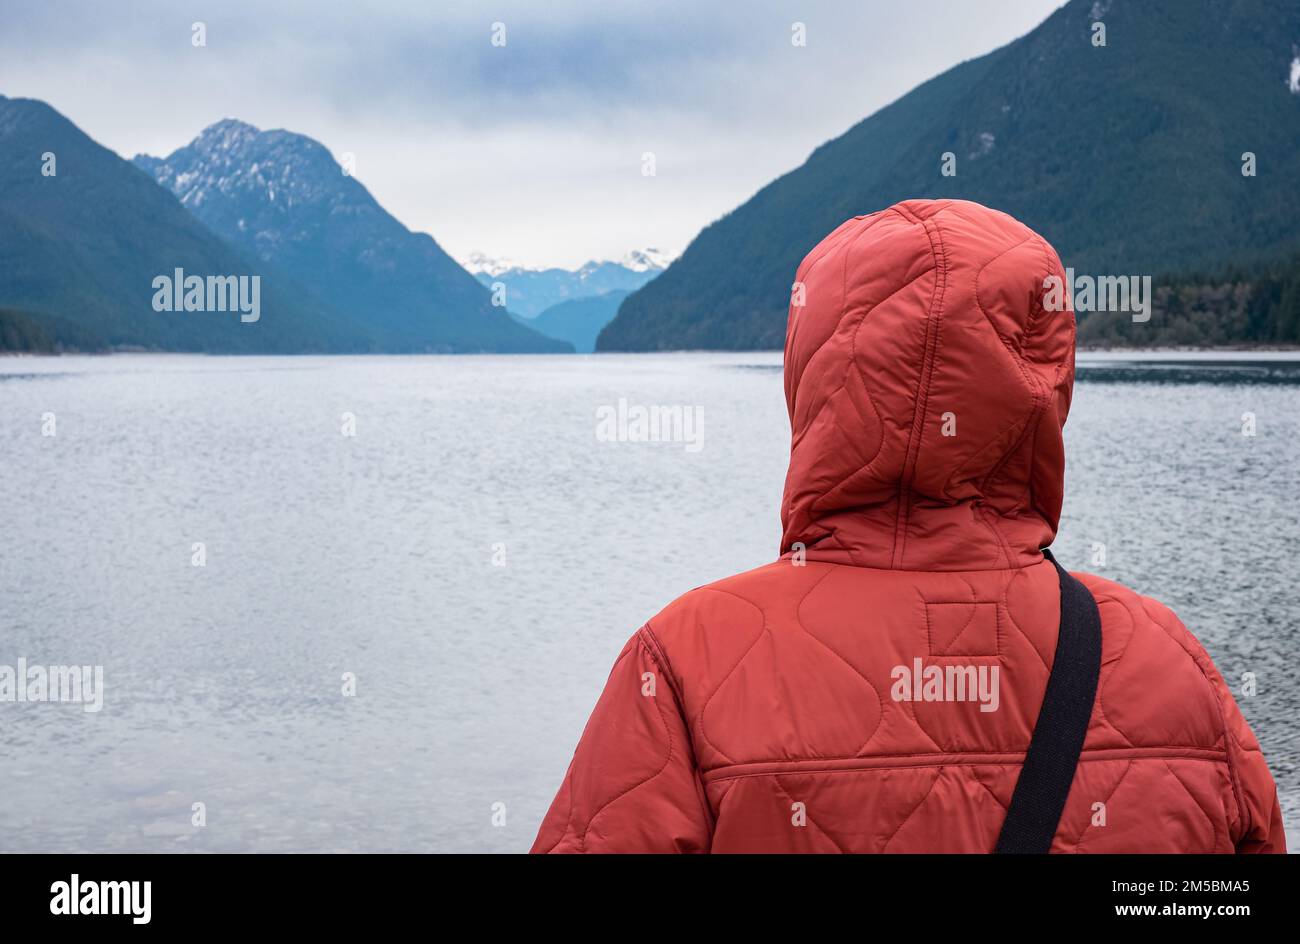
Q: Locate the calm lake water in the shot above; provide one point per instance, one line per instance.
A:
(378, 554)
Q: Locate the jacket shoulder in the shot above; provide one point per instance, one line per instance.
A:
(1158, 685)
(731, 612)
(1133, 613)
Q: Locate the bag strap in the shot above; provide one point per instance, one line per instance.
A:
(1053, 753)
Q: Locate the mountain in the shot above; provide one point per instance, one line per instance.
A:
(579, 320)
(283, 199)
(80, 248)
(1127, 157)
(529, 292)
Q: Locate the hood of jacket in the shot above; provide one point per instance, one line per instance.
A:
(927, 386)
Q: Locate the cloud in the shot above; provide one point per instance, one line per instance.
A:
(530, 150)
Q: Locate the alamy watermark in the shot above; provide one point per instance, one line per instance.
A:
(1099, 293)
(73, 684)
(920, 682)
(181, 292)
(78, 896)
(636, 423)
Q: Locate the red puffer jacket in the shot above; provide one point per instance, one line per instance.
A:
(788, 709)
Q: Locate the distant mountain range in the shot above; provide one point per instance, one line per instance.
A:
(80, 248)
(579, 320)
(283, 199)
(84, 235)
(531, 291)
(1128, 157)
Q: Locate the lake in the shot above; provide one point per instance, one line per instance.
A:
(473, 556)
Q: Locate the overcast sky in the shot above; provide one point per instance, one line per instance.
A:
(530, 151)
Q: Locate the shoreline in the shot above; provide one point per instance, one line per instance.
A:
(1090, 350)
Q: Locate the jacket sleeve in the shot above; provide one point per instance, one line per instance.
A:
(1260, 826)
(632, 785)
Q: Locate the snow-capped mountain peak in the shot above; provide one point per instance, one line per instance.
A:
(533, 290)
(256, 176)
(228, 134)
(644, 260)
(638, 260)
(479, 262)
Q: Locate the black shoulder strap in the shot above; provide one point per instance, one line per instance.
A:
(1062, 723)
